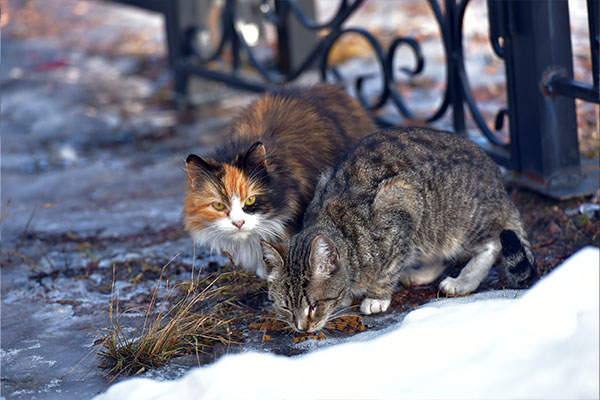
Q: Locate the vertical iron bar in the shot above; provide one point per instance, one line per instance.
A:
(230, 11)
(543, 127)
(283, 40)
(180, 16)
(453, 43)
(593, 8)
(302, 40)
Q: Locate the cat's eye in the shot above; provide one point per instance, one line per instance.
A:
(250, 200)
(310, 311)
(218, 206)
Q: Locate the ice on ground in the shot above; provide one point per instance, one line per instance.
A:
(543, 344)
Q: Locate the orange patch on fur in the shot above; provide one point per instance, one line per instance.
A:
(237, 184)
(395, 182)
(198, 213)
(197, 206)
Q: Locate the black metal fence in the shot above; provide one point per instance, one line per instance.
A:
(531, 36)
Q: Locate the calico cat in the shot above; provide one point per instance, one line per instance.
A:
(257, 186)
(402, 205)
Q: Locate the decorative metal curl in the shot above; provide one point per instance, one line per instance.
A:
(380, 55)
(457, 92)
(416, 48)
(464, 80)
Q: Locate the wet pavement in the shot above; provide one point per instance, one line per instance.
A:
(92, 176)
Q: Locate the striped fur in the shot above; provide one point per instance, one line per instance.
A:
(280, 143)
(401, 206)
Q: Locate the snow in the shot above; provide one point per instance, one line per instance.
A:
(541, 344)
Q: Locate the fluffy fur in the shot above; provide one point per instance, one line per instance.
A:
(258, 185)
(402, 206)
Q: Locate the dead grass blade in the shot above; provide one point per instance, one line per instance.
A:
(196, 323)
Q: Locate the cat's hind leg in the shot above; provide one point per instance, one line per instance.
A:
(476, 270)
(423, 275)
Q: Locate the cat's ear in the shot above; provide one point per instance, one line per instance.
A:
(256, 157)
(323, 256)
(197, 167)
(273, 258)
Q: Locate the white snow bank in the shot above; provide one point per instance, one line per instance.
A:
(543, 344)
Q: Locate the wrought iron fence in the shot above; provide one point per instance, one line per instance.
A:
(532, 37)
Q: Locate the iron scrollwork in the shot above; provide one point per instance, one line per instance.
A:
(277, 12)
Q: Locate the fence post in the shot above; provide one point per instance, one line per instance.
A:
(543, 127)
(294, 41)
(454, 47)
(179, 17)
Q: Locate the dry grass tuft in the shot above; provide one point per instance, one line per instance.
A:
(202, 318)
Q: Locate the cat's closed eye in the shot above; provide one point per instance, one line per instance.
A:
(312, 307)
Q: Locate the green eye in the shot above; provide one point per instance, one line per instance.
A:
(218, 206)
(250, 200)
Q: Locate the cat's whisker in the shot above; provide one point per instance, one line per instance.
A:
(338, 314)
(351, 306)
(342, 310)
(277, 319)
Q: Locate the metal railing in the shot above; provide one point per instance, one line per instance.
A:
(532, 37)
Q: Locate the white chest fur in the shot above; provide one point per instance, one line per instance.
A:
(239, 233)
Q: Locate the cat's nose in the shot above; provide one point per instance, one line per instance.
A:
(302, 326)
(238, 224)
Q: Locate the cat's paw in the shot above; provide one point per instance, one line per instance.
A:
(374, 306)
(456, 286)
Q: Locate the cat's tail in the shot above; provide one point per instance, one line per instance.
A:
(519, 262)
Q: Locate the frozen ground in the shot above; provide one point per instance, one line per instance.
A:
(92, 178)
(541, 345)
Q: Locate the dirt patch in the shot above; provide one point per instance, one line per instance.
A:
(557, 229)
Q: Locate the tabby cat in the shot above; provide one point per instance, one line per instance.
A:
(402, 205)
(257, 186)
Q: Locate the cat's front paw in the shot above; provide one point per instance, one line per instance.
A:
(374, 306)
(456, 286)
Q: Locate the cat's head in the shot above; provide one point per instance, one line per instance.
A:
(229, 201)
(307, 281)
